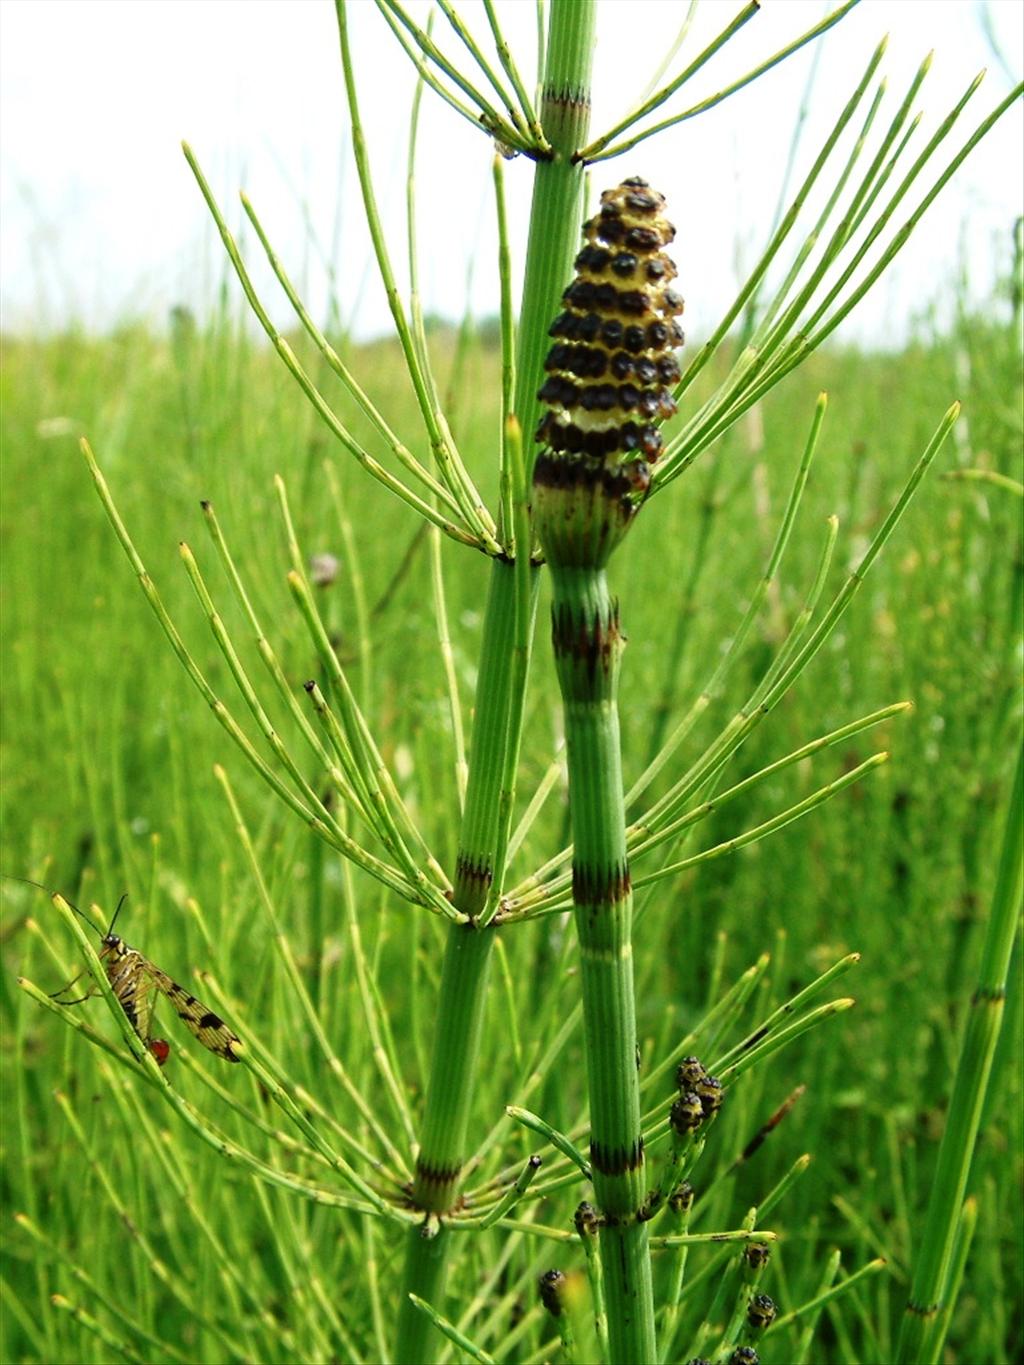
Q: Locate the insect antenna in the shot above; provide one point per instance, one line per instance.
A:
(113, 921)
(27, 881)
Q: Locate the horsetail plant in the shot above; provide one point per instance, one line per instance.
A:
(610, 373)
(612, 378)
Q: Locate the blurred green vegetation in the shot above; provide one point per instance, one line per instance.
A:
(108, 787)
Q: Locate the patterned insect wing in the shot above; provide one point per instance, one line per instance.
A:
(208, 1027)
(133, 978)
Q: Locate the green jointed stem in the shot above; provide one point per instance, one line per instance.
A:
(463, 982)
(498, 709)
(599, 437)
(588, 646)
(928, 1294)
(557, 195)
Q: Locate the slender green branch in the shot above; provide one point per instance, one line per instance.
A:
(371, 411)
(419, 331)
(795, 657)
(445, 452)
(511, 70)
(444, 643)
(749, 1236)
(644, 838)
(473, 48)
(991, 476)
(225, 1147)
(368, 771)
(508, 362)
(647, 835)
(558, 1140)
(274, 741)
(394, 820)
(524, 616)
(271, 662)
(312, 1020)
(672, 51)
(777, 822)
(873, 180)
(783, 1037)
(794, 336)
(554, 901)
(453, 1334)
(902, 235)
(710, 347)
(599, 149)
(424, 70)
(510, 1198)
(786, 1011)
(472, 533)
(545, 787)
(320, 821)
(595, 150)
(489, 117)
(101, 1333)
(814, 1306)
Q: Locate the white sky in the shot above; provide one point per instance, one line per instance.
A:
(100, 219)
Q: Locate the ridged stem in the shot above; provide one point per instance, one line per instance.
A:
(554, 233)
(463, 982)
(931, 1283)
(599, 438)
(588, 646)
(557, 197)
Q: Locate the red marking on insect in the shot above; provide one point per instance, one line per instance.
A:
(160, 1048)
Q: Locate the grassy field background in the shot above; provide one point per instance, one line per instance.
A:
(162, 1248)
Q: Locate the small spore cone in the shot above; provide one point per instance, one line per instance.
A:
(609, 378)
(761, 1312)
(551, 1287)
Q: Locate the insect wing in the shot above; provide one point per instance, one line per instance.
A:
(208, 1027)
(131, 979)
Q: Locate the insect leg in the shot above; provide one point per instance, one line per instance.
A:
(64, 989)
